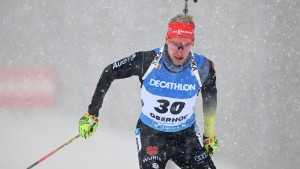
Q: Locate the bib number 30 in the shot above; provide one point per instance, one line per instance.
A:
(164, 106)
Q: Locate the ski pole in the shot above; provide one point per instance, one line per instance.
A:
(54, 151)
(186, 10)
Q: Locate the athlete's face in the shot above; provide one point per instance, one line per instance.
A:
(178, 49)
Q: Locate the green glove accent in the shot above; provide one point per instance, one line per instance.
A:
(210, 144)
(87, 125)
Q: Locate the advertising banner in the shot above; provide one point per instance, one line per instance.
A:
(27, 86)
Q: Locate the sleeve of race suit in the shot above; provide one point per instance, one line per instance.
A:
(133, 65)
(209, 98)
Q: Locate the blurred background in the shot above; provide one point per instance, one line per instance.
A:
(53, 52)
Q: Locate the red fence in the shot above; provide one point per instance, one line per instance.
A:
(27, 86)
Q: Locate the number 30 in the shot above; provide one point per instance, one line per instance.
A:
(175, 108)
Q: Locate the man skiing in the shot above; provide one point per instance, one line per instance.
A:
(171, 78)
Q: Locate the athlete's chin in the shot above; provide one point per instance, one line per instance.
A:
(178, 61)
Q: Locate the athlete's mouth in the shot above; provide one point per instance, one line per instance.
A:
(179, 58)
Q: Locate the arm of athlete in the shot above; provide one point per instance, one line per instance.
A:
(124, 68)
(209, 97)
(118, 70)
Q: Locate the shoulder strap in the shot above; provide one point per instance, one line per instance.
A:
(154, 63)
(195, 70)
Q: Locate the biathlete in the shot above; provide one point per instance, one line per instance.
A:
(171, 78)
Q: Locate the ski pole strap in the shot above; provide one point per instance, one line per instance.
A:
(209, 140)
(91, 116)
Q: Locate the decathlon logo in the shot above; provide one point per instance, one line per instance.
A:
(172, 86)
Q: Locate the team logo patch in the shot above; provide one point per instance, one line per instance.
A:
(152, 150)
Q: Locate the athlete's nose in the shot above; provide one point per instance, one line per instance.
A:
(180, 47)
(180, 52)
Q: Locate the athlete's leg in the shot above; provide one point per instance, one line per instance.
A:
(151, 148)
(191, 153)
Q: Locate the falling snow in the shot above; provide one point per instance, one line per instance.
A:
(254, 44)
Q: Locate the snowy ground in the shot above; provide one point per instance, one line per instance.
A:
(29, 137)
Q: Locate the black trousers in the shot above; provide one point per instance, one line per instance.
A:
(184, 148)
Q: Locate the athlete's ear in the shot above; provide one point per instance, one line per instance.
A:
(166, 37)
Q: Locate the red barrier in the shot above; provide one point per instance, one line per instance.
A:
(27, 86)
